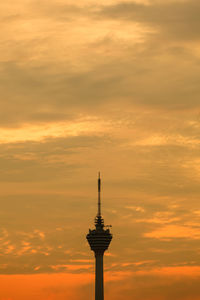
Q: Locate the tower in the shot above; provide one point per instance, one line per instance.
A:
(99, 240)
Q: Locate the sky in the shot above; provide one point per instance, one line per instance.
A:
(89, 86)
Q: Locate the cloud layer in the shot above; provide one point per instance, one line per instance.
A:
(110, 86)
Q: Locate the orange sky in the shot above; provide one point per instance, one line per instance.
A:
(154, 284)
(110, 86)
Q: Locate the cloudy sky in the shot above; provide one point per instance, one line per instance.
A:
(100, 85)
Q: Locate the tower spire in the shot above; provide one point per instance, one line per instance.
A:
(99, 196)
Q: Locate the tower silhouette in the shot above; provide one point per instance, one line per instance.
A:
(99, 240)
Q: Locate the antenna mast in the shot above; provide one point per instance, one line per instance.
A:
(99, 196)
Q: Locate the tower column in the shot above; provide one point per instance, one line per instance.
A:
(99, 282)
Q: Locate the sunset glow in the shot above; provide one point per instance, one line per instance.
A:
(110, 86)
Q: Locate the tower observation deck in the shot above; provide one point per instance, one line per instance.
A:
(99, 240)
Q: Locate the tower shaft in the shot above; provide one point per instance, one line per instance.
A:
(99, 282)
